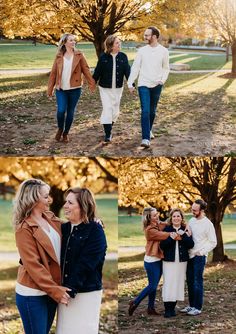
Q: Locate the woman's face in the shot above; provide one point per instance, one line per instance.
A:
(154, 216)
(70, 43)
(44, 199)
(176, 218)
(116, 45)
(72, 209)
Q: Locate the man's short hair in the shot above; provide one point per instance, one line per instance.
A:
(155, 31)
(203, 205)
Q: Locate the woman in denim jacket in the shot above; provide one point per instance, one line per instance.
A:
(82, 257)
(176, 256)
(110, 71)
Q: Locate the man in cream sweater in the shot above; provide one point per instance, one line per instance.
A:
(204, 237)
(151, 66)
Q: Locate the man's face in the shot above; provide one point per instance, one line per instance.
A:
(196, 210)
(148, 36)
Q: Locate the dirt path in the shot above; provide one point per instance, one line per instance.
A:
(189, 122)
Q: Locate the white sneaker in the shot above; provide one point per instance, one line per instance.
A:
(194, 311)
(145, 143)
(186, 309)
(151, 135)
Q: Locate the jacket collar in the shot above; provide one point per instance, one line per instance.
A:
(76, 59)
(41, 236)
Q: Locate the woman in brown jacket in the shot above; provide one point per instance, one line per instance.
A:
(38, 238)
(152, 259)
(66, 77)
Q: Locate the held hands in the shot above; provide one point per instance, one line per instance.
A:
(131, 90)
(175, 236)
(65, 298)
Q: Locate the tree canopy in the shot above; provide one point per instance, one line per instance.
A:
(176, 182)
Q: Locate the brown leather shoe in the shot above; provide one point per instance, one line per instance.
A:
(152, 311)
(58, 135)
(132, 307)
(65, 138)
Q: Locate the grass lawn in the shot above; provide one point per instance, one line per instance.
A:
(107, 211)
(131, 233)
(218, 314)
(23, 54)
(10, 321)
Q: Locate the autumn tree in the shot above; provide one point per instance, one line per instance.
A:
(47, 20)
(99, 174)
(219, 23)
(171, 182)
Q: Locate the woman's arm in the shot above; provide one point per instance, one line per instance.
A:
(86, 71)
(52, 78)
(153, 234)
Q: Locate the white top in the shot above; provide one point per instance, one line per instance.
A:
(204, 236)
(66, 73)
(150, 259)
(56, 242)
(114, 70)
(151, 65)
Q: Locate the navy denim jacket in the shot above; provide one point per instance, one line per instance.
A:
(103, 70)
(82, 257)
(168, 246)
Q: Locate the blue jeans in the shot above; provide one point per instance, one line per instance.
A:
(37, 313)
(66, 103)
(154, 272)
(195, 269)
(149, 98)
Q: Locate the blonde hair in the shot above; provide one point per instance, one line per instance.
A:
(27, 196)
(109, 42)
(86, 202)
(171, 215)
(146, 217)
(62, 42)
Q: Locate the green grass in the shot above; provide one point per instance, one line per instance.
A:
(23, 54)
(107, 211)
(201, 62)
(131, 233)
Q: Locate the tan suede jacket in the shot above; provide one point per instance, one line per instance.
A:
(154, 235)
(39, 267)
(79, 67)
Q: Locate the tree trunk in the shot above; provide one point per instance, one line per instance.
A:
(233, 48)
(216, 214)
(99, 46)
(58, 200)
(227, 54)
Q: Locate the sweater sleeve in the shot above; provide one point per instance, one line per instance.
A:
(33, 265)
(165, 66)
(135, 69)
(211, 240)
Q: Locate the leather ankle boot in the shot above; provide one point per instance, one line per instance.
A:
(58, 135)
(151, 311)
(132, 307)
(65, 138)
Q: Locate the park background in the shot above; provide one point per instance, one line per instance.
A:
(100, 175)
(167, 183)
(197, 111)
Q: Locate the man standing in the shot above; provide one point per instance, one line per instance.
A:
(204, 237)
(151, 66)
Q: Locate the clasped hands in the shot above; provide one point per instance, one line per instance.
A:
(65, 298)
(175, 236)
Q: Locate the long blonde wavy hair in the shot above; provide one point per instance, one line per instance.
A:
(62, 42)
(28, 194)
